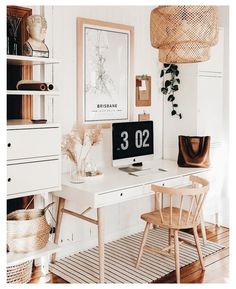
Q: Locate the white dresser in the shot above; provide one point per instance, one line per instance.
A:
(33, 158)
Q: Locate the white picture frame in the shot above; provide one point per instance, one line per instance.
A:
(105, 71)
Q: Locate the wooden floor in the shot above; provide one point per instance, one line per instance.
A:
(217, 265)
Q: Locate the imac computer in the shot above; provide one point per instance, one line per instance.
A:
(132, 144)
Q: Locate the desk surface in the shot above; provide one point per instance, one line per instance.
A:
(114, 179)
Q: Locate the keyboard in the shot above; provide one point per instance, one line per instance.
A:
(144, 172)
(147, 172)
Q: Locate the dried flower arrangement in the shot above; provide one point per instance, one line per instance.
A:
(80, 139)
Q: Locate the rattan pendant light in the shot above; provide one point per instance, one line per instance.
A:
(184, 34)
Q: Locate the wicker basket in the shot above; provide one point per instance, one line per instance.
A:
(20, 273)
(27, 230)
(29, 243)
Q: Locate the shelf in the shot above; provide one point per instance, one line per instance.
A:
(32, 92)
(17, 258)
(26, 60)
(27, 124)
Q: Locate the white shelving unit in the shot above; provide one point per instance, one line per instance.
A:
(15, 259)
(44, 104)
(33, 156)
(33, 92)
(26, 60)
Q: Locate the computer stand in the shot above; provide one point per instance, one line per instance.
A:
(140, 164)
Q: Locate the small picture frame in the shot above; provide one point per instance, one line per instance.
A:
(143, 116)
(143, 90)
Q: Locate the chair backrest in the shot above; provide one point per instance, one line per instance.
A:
(182, 203)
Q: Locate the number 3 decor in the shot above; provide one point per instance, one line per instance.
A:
(105, 66)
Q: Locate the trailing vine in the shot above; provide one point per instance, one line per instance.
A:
(170, 86)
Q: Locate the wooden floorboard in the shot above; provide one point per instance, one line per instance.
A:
(217, 264)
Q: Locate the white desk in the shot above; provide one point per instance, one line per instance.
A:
(114, 187)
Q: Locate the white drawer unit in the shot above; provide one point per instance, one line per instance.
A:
(33, 154)
(120, 196)
(31, 143)
(33, 176)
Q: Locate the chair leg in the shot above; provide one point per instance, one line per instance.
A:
(145, 234)
(198, 247)
(177, 267)
(203, 229)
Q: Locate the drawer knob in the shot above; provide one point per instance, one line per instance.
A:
(9, 179)
(121, 194)
(9, 144)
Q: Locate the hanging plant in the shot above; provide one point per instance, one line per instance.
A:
(171, 85)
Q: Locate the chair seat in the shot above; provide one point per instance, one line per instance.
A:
(155, 218)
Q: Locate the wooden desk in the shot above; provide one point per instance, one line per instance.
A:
(115, 187)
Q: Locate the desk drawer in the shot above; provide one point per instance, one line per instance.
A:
(120, 196)
(32, 176)
(30, 143)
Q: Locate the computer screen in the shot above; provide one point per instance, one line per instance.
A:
(132, 142)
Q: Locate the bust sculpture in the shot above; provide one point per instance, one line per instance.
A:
(36, 26)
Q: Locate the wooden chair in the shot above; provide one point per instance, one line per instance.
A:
(182, 211)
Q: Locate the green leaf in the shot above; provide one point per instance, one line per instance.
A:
(173, 112)
(180, 115)
(173, 67)
(175, 105)
(162, 73)
(168, 70)
(164, 90)
(175, 87)
(171, 97)
(167, 83)
(177, 72)
(178, 80)
(166, 65)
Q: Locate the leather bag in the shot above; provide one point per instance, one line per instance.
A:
(194, 151)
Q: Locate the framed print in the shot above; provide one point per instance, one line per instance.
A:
(105, 67)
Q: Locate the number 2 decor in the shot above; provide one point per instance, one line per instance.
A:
(105, 63)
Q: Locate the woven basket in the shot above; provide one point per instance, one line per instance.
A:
(20, 273)
(27, 230)
(184, 34)
(29, 243)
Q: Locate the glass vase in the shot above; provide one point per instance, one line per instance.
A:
(13, 25)
(76, 173)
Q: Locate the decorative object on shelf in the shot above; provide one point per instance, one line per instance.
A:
(143, 90)
(76, 146)
(105, 61)
(36, 26)
(27, 230)
(143, 116)
(21, 273)
(13, 24)
(194, 151)
(37, 121)
(184, 34)
(170, 86)
(34, 85)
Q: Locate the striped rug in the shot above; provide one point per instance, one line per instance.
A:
(120, 258)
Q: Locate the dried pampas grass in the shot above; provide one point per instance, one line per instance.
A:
(95, 136)
(78, 135)
(68, 147)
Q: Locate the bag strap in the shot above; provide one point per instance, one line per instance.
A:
(189, 145)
